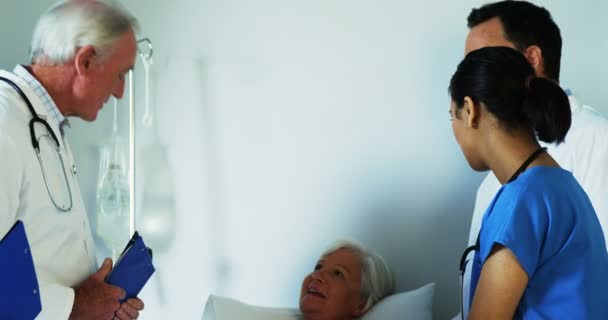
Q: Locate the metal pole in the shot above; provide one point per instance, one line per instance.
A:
(144, 55)
(131, 154)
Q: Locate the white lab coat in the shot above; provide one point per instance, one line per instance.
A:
(61, 242)
(584, 153)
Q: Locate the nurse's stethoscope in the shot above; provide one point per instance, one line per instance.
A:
(463, 259)
(36, 145)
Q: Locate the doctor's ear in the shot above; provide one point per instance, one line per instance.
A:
(470, 112)
(534, 55)
(84, 59)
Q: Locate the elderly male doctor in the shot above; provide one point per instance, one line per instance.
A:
(81, 51)
(531, 29)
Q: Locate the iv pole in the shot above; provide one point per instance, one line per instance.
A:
(145, 55)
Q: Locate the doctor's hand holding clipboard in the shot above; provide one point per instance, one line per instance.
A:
(104, 299)
(113, 287)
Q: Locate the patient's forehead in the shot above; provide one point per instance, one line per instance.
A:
(344, 257)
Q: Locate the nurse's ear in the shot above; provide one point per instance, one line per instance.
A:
(84, 59)
(470, 112)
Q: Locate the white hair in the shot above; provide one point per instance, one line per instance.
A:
(376, 277)
(72, 24)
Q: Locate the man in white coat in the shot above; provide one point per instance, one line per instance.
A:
(531, 30)
(81, 51)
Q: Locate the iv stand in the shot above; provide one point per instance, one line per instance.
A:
(144, 55)
(131, 155)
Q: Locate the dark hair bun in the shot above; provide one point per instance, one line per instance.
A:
(548, 109)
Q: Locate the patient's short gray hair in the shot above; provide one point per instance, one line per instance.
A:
(72, 24)
(377, 279)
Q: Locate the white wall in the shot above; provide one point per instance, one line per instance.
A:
(17, 20)
(319, 120)
(292, 123)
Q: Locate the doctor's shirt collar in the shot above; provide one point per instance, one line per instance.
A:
(43, 95)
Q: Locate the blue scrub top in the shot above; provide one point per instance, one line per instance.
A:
(547, 221)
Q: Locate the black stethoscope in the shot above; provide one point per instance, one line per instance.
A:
(463, 258)
(36, 144)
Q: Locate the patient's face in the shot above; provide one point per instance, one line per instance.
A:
(333, 290)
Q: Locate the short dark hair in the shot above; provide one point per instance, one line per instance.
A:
(525, 24)
(502, 79)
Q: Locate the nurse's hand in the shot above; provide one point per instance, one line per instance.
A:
(94, 299)
(130, 309)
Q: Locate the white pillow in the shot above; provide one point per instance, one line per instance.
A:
(416, 304)
(221, 308)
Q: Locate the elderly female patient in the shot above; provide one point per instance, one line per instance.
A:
(346, 282)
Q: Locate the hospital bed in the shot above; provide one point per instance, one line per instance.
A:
(416, 305)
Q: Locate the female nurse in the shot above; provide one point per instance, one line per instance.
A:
(541, 252)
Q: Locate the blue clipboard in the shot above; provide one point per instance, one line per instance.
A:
(19, 291)
(133, 268)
